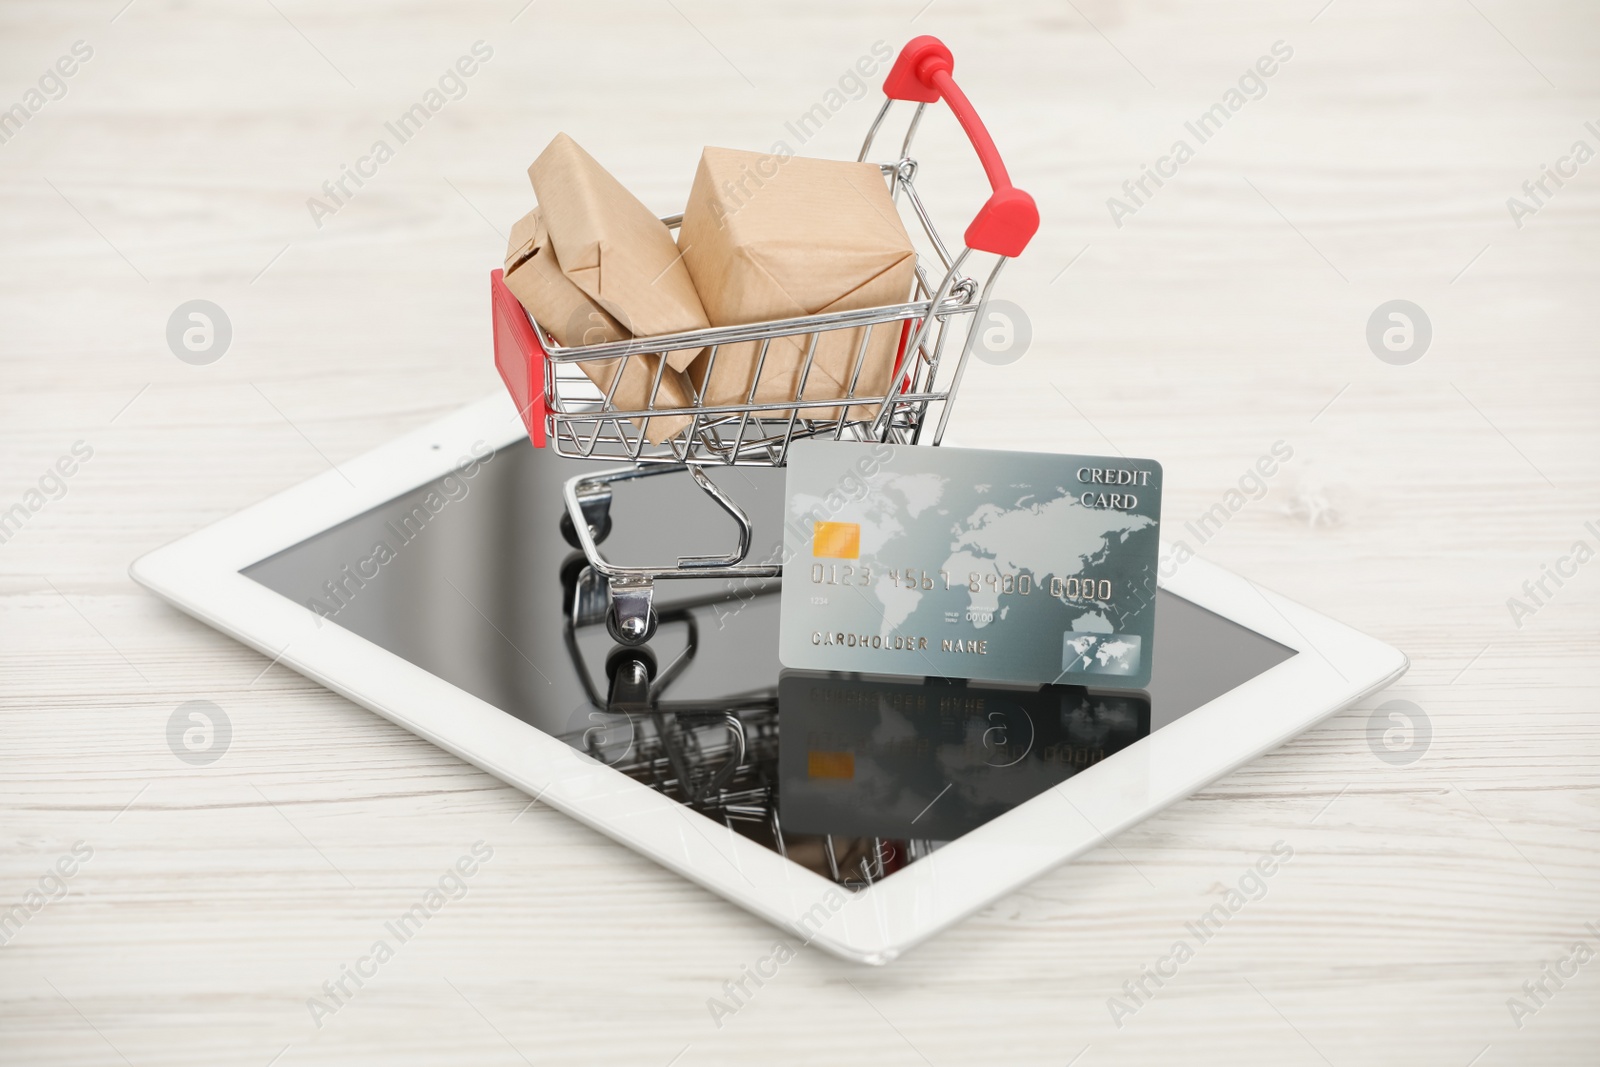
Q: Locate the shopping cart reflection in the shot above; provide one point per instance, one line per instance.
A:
(849, 776)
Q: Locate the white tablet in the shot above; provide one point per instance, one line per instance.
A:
(430, 581)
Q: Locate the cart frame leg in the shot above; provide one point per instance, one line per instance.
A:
(588, 499)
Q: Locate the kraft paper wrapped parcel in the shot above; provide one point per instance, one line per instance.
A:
(614, 248)
(593, 264)
(776, 237)
(534, 275)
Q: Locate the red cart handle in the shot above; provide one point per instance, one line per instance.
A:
(1008, 221)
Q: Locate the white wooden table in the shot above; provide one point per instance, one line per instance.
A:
(1226, 313)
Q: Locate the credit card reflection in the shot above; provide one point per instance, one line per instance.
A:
(852, 777)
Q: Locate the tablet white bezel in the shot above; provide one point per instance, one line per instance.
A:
(200, 574)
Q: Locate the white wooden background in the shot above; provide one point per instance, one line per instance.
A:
(1227, 314)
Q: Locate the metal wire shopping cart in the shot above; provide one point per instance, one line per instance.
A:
(562, 408)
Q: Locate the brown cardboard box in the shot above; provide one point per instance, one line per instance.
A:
(534, 276)
(774, 237)
(613, 248)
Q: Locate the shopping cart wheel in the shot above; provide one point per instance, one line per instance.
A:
(631, 630)
(585, 598)
(629, 672)
(599, 528)
(632, 618)
(595, 503)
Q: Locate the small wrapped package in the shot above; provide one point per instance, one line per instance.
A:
(534, 276)
(613, 248)
(776, 237)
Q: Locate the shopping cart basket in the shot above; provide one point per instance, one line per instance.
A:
(563, 409)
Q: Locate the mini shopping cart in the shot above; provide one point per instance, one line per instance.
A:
(564, 410)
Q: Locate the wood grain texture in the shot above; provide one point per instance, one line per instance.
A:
(1226, 314)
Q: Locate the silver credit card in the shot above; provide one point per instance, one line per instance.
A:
(964, 563)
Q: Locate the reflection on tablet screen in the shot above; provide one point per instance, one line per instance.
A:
(469, 578)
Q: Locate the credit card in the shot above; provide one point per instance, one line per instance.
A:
(1023, 567)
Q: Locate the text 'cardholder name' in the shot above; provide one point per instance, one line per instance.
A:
(964, 563)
